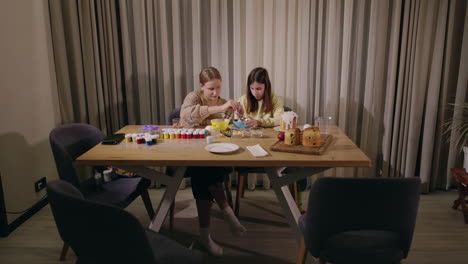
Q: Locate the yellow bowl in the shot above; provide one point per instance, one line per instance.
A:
(221, 124)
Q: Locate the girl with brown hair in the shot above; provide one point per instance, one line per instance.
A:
(199, 108)
(262, 107)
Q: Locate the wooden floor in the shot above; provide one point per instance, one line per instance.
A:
(440, 237)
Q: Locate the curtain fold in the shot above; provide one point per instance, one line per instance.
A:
(385, 71)
(414, 143)
(86, 47)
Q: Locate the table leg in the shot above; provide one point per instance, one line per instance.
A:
(461, 201)
(456, 203)
(280, 186)
(172, 185)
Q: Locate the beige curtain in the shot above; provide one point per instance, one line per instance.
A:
(431, 75)
(384, 71)
(86, 47)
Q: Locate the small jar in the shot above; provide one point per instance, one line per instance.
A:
(140, 140)
(237, 133)
(215, 132)
(256, 132)
(195, 133)
(202, 133)
(149, 140)
(190, 133)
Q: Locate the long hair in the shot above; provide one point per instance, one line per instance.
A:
(208, 74)
(259, 75)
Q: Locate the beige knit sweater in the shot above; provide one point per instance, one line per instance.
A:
(268, 119)
(194, 110)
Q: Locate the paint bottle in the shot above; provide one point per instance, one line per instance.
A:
(149, 141)
(190, 133)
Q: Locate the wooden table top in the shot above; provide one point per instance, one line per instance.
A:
(191, 152)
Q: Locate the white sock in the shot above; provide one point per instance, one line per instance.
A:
(251, 181)
(234, 225)
(266, 182)
(209, 244)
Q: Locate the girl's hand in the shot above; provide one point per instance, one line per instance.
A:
(253, 122)
(231, 104)
(240, 112)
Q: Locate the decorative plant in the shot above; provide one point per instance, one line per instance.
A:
(458, 125)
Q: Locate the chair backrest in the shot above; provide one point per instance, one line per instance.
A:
(70, 141)
(343, 204)
(175, 113)
(97, 233)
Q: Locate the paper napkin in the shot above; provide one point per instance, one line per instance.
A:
(257, 151)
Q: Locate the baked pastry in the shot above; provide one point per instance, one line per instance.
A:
(288, 120)
(292, 136)
(311, 137)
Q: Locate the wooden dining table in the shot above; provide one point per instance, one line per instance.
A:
(183, 153)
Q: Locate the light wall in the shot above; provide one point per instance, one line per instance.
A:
(27, 101)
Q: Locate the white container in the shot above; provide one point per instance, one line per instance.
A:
(108, 175)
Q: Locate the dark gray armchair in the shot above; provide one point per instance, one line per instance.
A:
(100, 233)
(175, 113)
(68, 142)
(367, 220)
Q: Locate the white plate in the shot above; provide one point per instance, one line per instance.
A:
(221, 147)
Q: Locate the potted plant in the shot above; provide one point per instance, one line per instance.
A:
(459, 125)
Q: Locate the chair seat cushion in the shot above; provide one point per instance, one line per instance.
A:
(119, 192)
(166, 250)
(363, 246)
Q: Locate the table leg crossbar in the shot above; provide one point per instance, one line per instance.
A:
(279, 184)
(172, 185)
